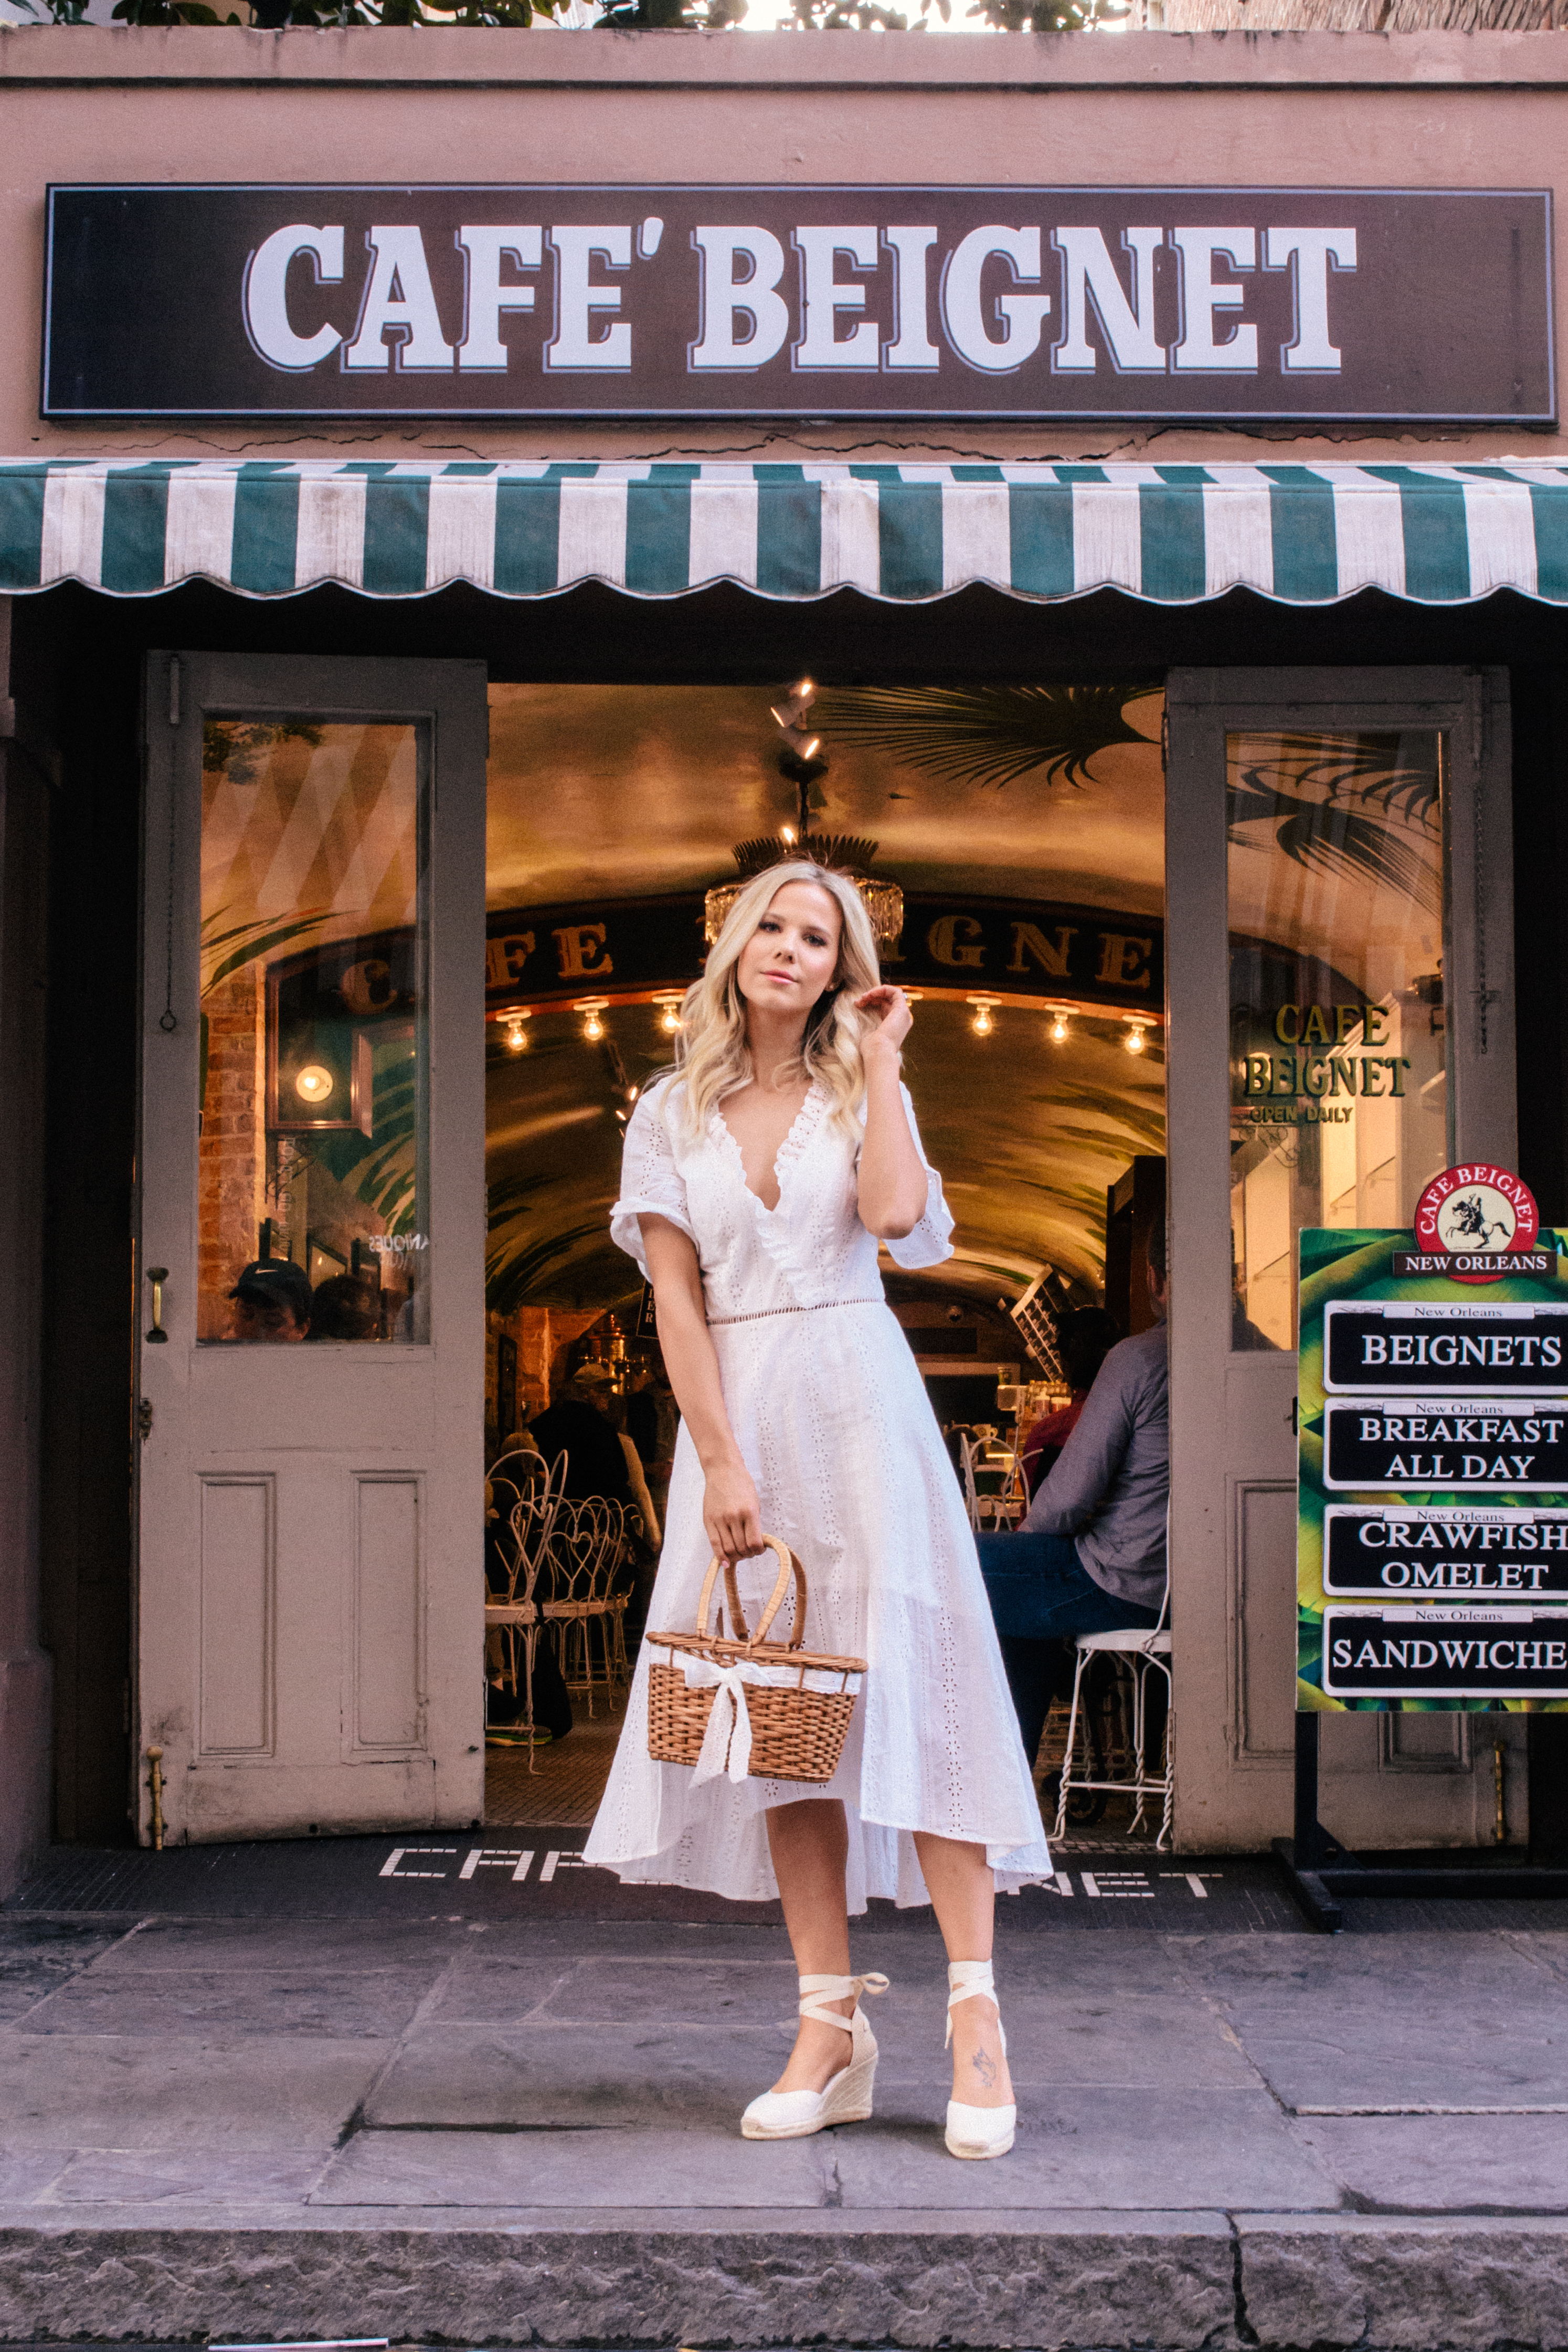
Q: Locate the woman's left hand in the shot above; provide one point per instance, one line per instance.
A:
(889, 1009)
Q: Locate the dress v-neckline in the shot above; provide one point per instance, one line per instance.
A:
(783, 1157)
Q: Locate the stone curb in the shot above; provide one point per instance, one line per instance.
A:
(1470, 2282)
(1102, 2280)
(1179, 2282)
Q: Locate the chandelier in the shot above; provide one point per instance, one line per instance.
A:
(883, 900)
(849, 854)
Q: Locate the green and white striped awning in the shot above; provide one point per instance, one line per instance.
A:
(1175, 534)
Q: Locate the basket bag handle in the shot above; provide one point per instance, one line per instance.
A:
(788, 1566)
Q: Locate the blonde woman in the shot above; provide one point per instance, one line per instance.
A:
(758, 1182)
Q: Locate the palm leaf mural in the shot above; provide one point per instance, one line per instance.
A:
(987, 735)
(226, 952)
(380, 1170)
(1347, 806)
(512, 1271)
(1102, 1121)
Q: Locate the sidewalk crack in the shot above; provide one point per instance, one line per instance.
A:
(1245, 2331)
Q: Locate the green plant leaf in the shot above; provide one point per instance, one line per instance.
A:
(988, 735)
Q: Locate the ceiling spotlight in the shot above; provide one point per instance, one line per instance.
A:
(1133, 1041)
(669, 1013)
(984, 1006)
(592, 1006)
(313, 1084)
(788, 715)
(517, 1037)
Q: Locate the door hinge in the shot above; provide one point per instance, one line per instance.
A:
(144, 1418)
(173, 689)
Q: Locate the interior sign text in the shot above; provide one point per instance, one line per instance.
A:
(799, 302)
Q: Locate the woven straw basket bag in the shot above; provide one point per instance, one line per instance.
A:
(796, 1733)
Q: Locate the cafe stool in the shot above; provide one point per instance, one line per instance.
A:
(1141, 1650)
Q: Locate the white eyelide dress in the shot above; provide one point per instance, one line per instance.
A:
(833, 1420)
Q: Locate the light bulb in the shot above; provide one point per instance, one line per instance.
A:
(787, 832)
(669, 1014)
(1133, 1041)
(981, 1023)
(1059, 1029)
(313, 1084)
(593, 1028)
(516, 1034)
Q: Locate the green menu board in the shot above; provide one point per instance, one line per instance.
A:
(1432, 1496)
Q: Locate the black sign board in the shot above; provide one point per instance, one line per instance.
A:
(1377, 1348)
(1446, 1445)
(1421, 1554)
(1365, 304)
(1445, 1652)
(1024, 946)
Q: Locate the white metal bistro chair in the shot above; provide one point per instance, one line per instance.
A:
(522, 1540)
(1140, 1650)
(987, 1512)
(587, 1543)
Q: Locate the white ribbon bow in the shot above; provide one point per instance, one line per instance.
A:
(728, 1728)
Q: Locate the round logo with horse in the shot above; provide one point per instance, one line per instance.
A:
(1476, 1210)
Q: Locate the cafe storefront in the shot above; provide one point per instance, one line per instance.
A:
(1160, 579)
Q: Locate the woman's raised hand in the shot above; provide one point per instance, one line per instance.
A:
(732, 1515)
(889, 1011)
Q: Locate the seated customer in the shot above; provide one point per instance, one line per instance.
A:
(345, 1306)
(271, 1303)
(1085, 1337)
(575, 1426)
(1090, 1557)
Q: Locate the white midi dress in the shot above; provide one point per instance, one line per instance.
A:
(834, 1424)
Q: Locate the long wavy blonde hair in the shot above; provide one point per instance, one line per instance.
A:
(711, 1054)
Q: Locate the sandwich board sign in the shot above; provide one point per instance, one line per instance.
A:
(1432, 1496)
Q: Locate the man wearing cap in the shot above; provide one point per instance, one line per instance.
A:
(575, 1426)
(271, 1301)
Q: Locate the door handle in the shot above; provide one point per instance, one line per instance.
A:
(157, 1276)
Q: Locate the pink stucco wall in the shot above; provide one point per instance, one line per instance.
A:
(1282, 109)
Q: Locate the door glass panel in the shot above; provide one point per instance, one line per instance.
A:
(1339, 1092)
(314, 1146)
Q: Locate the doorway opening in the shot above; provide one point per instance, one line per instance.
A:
(1016, 838)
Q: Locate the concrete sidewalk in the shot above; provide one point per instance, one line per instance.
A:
(497, 2131)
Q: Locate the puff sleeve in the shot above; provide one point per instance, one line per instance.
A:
(651, 1182)
(929, 1242)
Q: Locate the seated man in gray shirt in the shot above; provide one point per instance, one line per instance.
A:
(1089, 1555)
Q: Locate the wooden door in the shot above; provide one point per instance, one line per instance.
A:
(310, 1627)
(1337, 839)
